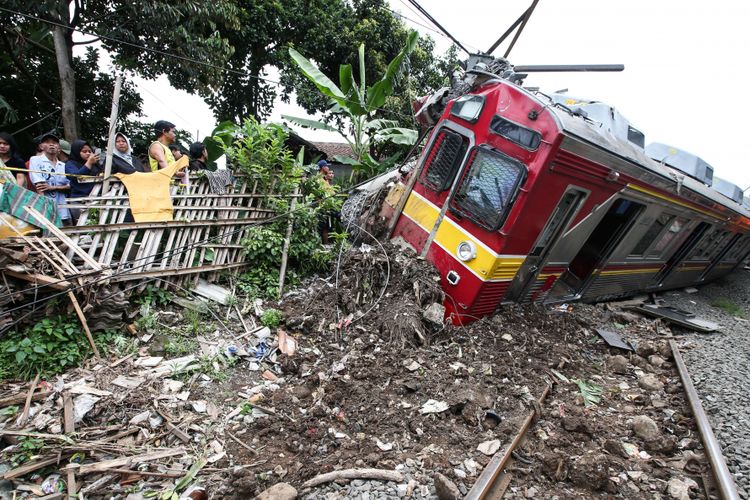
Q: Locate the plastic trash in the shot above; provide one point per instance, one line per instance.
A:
(53, 484)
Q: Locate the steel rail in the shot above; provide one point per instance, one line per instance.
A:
(486, 480)
(724, 481)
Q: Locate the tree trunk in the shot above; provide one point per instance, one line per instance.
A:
(63, 53)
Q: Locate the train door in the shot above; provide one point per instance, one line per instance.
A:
(599, 246)
(561, 217)
(720, 255)
(682, 252)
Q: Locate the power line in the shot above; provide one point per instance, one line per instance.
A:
(438, 25)
(40, 120)
(399, 14)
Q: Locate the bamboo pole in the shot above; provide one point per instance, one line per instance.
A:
(287, 241)
(112, 129)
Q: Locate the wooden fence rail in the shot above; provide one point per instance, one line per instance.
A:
(203, 239)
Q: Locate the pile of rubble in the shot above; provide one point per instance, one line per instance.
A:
(361, 391)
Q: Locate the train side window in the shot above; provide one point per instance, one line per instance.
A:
(738, 250)
(700, 249)
(488, 187)
(716, 244)
(650, 235)
(443, 160)
(674, 229)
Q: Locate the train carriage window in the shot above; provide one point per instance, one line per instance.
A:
(650, 235)
(487, 188)
(674, 230)
(525, 137)
(443, 161)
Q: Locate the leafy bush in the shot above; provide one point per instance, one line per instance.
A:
(51, 346)
(271, 318)
(260, 152)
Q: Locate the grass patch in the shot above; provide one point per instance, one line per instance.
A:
(729, 306)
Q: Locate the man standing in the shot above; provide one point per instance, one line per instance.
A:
(64, 153)
(47, 174)
(159, 154)
(199, 158)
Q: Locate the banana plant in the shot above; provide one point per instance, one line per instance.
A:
(358, 103)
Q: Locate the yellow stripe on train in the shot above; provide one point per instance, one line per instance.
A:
(421, 211)
(615, 272)
(487, 265)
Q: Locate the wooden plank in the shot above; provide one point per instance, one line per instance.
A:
(40, 278)
(21, 421)
(68, 416)
(105, 465)
(34, 466)
(84, 323)
(64, 238)
(258, 215)
(166, 273)
(83, 219)
(20, 398)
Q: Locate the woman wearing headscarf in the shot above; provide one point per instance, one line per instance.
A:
(82, 161)
(123, 159)
(10, 158)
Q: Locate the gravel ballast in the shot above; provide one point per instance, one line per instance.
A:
(719, 365)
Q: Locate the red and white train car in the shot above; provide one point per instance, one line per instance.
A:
(523, 197)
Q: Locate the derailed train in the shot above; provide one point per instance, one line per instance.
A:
(520, 196)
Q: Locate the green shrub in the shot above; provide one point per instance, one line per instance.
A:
(52, 346)
(260, 152)
(729, 306)
(271, 318)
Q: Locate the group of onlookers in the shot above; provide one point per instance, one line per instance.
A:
(60, 169)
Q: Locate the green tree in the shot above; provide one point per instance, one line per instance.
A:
(144, 36)
(358, 103)
(30, 86)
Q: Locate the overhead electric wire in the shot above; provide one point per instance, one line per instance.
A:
(425, 26)
(438, 25)
(40, 120)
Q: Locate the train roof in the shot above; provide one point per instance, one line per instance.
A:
(576, 126)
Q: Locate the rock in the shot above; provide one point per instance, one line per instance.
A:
(625, 317)
(435, 314)
(531, 492)
(279, 491)
(650, 382)
(489, 448)
(679, 488)
(615, 448)
(645, 428)
(618, 364)
(572, 423)
(445, 489)
(590, 471)
(656, 360)
(645, 349)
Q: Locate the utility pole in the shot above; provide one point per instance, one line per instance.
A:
(111, 137)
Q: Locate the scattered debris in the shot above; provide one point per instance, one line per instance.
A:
(613, 339)
(433, 406)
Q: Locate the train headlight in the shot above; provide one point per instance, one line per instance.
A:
(466, 251)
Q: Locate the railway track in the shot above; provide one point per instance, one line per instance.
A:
(494, 480)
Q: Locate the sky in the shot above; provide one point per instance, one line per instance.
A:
(685, 69)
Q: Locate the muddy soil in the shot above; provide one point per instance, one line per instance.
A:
(389, 388)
